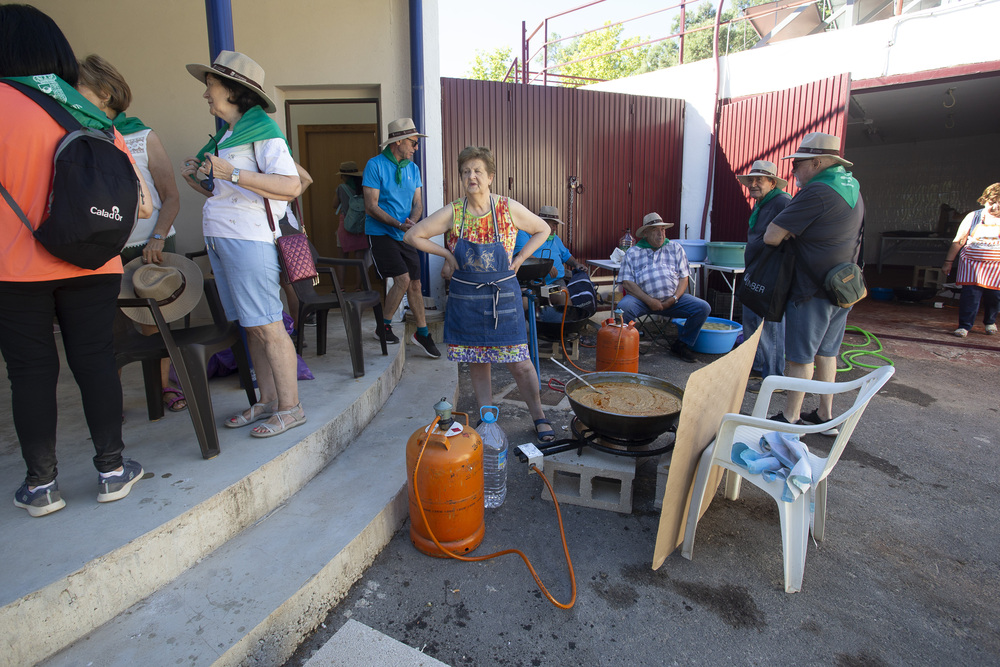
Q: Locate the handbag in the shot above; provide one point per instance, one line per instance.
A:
(294, 253)
(767, 280)
(844, 284)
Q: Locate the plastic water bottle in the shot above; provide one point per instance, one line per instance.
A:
(494, 457)
(627, 240)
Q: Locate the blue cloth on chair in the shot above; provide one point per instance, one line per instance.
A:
(780, 456)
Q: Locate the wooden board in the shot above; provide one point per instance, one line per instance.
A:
(710, 393)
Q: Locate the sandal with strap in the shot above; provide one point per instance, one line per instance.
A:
(257, 412)
(544, 436)
(286, 420)
(171, 403)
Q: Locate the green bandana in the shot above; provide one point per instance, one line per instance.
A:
(66, 95)
(756, 208)
(128, 125)
(551, 236)
(400, 164)
(255, 125)
(643, 243)
(840, 181)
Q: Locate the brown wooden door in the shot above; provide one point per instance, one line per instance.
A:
(322, 148)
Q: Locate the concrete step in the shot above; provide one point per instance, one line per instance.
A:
(252, 600)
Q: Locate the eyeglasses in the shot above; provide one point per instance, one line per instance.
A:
(796, 163)
(414, 143)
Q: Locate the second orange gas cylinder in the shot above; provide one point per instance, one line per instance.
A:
(618, 346)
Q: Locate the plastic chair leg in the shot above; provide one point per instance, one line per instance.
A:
(794, 540)
(321, 332)
(819, 513)
(381, 334)
(243, 368)
(199, 400)
(153, 382)
(352, 322)
(733, 481)
(697, 499)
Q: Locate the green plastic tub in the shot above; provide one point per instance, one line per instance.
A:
(726, 253)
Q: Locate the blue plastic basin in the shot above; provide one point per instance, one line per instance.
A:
(715, 341)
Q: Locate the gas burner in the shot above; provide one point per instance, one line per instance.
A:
(583, 436)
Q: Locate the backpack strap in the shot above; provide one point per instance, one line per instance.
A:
(17, 209)
(49, 104)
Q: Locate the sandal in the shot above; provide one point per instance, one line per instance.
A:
(171, 403)
(267, 429)
(544, 436)
(257, 412)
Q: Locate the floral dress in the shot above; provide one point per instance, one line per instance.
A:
(480, 230)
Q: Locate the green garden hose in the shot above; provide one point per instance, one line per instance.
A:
(850, 357)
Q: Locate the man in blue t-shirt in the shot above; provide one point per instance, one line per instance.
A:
(553, 249)
(394, 203)
(825, 219)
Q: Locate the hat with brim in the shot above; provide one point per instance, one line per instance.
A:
(650, 221)
(819, 144)
(349, 168)
(176, 283)
(239, 68)
(764, 168)
(550, 214)
(400, 129)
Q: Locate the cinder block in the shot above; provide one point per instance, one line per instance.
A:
(591, 479)
(662, 469)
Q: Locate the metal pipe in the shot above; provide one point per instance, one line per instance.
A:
(417, 110)
(715, 125)
(219, 17)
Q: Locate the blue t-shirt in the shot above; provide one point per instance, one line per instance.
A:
(553, 249)
(395, 199)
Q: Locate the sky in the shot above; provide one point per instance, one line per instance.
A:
(468, 26)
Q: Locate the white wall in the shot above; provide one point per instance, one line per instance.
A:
(942, 37)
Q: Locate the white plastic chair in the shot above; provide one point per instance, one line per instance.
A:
(794, 516)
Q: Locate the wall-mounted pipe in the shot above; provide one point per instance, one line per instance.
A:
(417, 109)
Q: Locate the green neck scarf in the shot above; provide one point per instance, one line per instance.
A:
(66, 95)
(756, 207)
(840, 181)
(254, 125)
(551, 236)
(128, 125)
(643, 243)
(400, 164)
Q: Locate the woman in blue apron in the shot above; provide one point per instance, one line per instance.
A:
(484, 322)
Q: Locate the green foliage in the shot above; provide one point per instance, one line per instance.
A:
(491, 65)
(733, 38)
(602, 67)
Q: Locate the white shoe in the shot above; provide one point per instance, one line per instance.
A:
(991, 329)
(962, 333)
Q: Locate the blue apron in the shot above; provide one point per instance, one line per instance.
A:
(484, 301)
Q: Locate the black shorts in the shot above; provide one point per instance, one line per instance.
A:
(394, 258)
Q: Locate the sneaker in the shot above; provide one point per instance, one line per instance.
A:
(991, 329)
(310, 320)
(814, 418)
(40, 501)
(389, 336)
(682, 352)
(117, 487)
(962, 333)
(427, 343)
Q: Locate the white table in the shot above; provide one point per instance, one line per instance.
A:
(729, 274)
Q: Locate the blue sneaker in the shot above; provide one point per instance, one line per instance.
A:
(116, 488)
(40, 501)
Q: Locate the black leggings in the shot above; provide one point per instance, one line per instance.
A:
(85, 309)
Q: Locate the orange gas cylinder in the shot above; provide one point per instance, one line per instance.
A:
(450, 484)
(617, 346)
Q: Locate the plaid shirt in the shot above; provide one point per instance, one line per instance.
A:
(656, 272)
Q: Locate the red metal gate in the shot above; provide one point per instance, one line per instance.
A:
(765, 127)
(621, 154)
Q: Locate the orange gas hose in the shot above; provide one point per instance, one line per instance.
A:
(562, 532)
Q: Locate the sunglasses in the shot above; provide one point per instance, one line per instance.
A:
(209, 181)
(796, 163)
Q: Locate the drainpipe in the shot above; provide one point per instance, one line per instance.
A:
(219, 16)
(715, 124)
(417, 106)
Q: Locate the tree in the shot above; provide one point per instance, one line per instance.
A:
(601, 67)
(491, 65)
(733, 37)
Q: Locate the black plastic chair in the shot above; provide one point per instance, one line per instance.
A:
(189, 350)
(656, 327)
(351, 304)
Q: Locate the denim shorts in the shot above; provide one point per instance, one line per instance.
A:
(246, 273)
(814, 328)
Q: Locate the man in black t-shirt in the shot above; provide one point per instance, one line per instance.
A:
(825, 219)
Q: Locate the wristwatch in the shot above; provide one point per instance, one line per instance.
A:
(158, 237)
(235, 178)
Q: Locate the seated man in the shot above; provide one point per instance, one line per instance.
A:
(553, 249)
(654, 274)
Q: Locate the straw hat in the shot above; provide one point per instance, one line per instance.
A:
(176, 284)
(650, 221)
(349, 168)
(401, 129)
(550, 214)
(819, 144)
(763, 168)
(238, 68)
